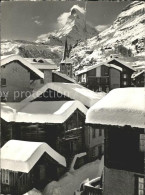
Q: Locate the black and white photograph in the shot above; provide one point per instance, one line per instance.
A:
(72, 97)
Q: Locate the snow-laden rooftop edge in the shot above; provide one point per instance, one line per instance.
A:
(71, 90)
(21, 156)
(123, 106)
(41, 112)
(7, 59)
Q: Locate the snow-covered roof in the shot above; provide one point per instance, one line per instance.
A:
(97, 65)
(124, 106)
(42, 64)
(21, 156)
(45, 67)
(64, 76)
(67, 61)
(41, 112)
(125, 63)
(8, 59)
(137, 74)
(108, 64)
(71, 90)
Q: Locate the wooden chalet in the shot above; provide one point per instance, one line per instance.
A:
(27, 165)
(57, 123)
(106, 76)
(17, 76)
(121, 114)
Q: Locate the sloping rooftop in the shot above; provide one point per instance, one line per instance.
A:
(21, 156)
(64, 76)
(7, 59)
(71, 90)
(40, 112)
(124, 106)
(108, 64)
(41, 63)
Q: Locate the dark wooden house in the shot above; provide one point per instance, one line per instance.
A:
(17, 76)
(106, 76)
(121, 114)
(26, 165)
(57, 123)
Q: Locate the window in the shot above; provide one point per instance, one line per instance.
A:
(93, 133)
(142, 142)
(100, 132)
(124, 76)
(140, 186)
(42, 81)
(5, 176)
(3, 82)
(124, 83)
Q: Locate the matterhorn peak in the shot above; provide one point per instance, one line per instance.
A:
(75, 28)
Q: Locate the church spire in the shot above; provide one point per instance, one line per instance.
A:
(66, 50)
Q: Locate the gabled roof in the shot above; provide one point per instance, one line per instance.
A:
(8, 59)
(120, 107)
(64, 76)
(97, 65)
(124, 63)
(108, 64)
(41, 112)
(21, 156)
(71, 90)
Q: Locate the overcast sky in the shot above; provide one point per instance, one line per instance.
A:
(27, 20)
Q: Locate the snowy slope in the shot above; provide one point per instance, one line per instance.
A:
(127, 31)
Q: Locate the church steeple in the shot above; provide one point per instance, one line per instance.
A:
(66, 62)
(66, 50)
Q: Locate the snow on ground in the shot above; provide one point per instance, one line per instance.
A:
(71, 181)
(33, 192)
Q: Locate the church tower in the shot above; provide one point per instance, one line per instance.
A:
(66, 62)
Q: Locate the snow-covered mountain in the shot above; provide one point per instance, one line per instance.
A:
(74, 28)
(124, 37)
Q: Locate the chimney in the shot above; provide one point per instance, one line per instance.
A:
(47, 76)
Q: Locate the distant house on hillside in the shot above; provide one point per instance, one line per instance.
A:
(25, 165)
(17, 76)
(121, 114)
(106, 76)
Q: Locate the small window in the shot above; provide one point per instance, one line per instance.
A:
(5, 176)
(42, 81)
(93, 133)
(3, 82)
(100, 132)
(142, 142)
(140, 186)
(124, 83)
(124, 76)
